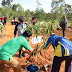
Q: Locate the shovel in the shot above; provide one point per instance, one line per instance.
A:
(35, 40)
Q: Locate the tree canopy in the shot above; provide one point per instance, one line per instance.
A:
(59, 8)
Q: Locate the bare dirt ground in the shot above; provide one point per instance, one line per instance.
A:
(9, 34)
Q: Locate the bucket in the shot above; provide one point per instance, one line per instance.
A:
(32, 68)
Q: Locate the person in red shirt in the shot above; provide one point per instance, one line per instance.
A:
(33, 20)
(5, 19)
(2, 20)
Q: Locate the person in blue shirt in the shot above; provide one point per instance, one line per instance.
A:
(62, 51)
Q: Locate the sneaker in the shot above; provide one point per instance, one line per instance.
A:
(23, 54)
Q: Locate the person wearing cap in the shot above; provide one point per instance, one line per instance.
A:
(20, 28)
(62, 51)
(11, 47)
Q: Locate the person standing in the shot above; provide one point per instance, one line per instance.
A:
(20, 28)
(33, 20)
(5, 19)
(64, 24)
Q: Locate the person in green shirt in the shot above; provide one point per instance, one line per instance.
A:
(11, 47)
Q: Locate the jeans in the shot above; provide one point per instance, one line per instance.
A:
(57, 63)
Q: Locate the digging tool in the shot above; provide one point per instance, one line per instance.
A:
(46, 66)
(35, 40)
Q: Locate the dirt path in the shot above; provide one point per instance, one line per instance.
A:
(41, 58)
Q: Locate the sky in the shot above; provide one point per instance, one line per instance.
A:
(32, 4)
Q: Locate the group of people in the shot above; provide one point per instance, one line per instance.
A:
(62, 48)
(16, 44)
(3, 20)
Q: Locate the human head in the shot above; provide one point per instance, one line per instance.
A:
(21, 19)
(27, 33)
(32, 16)
(64, 17)
(52, 34)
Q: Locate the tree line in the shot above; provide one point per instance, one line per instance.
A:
(59, 8)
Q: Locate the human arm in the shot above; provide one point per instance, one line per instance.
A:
(25, 51)
(48, 43)
(33, 50)
(30, 51)
(15, 31)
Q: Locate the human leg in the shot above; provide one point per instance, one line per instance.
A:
(14, 64)
(63, 32)
(56, 64)
(20, 54)
(68, 65)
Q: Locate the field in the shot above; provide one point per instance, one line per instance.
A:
(9, 34)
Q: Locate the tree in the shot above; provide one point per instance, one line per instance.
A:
(3, 3)
(14, 7)
(58, 8)
(68, 9)
(56, 4)
(1, 11)
(6, 2)
(20, 10)
(27, 15)
(39, 13)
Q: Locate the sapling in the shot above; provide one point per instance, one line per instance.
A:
(1, 28)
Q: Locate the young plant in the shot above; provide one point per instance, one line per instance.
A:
(1, 28)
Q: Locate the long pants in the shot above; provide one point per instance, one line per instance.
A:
(33, 23)
(12, 63)
(63, 32)
(20, 52)
(57, 63)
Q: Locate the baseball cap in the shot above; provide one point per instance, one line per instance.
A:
(52, 34)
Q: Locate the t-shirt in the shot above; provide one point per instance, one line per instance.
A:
(20, 28)
(10, 48)
(4, 18)
(33, 19)
(62, 46)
